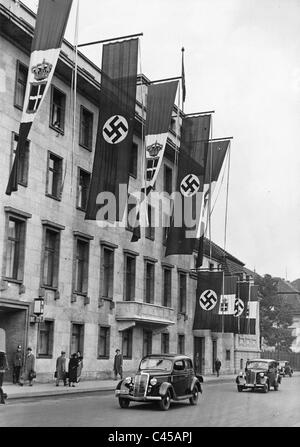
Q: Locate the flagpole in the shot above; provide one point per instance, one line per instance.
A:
(109, 40)
(223, 287)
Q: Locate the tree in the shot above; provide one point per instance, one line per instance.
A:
(275, 315)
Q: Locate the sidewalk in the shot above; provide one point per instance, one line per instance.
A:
(49, 389)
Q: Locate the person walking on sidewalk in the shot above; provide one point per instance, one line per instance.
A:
(217, 366)
(73, 365)
(17, 364)
(80, 366)
(61, 368)
(3, 368)
(28, 370)
(118, 364)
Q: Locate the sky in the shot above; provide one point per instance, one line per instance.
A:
(242, 60)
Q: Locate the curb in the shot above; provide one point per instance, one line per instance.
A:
(66, 392)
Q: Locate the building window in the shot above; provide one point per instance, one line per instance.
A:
(129, 286)
(127, 343)
(86, 128)
(147, 342)
(181, 344)
(182, 293)
(107, 272)
(54, 177)
(168, 179)
(241, 364)
(83, 184)
(167, 288)
(50, 257)
(133, 160)
(149, 282)
(227, 354)
(57, 113)
(15, 248)
(165, 343)
(132, 211)
(77, 338)
(45, 338)
(20, 86)
(103, 342)
(150, 229)
(23, 164)
(81, 266)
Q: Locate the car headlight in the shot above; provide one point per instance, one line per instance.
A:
(262, 374)
(241, 374)
(153, 381)
(127, 380)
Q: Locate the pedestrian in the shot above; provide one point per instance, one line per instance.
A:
(17, 364)
(80, 366)
(28, 372)
(3, 369)
(217, 366)
(197, 363)
(73, 365)
(118, 364)
(61, 369)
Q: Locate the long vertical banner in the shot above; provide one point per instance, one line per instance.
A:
(192, 162)
(160, 103)
(115, 128)
(246, 308)
(215, 159)
(51, 22)
(209, 290)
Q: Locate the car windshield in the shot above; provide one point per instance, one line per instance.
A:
(158, 364)
(257, 365)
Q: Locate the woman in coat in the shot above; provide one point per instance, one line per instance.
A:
(28, 369)
(73, 365)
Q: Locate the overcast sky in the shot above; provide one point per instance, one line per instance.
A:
(242, 59)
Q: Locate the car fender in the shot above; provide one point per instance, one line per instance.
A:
(164, 387)
(118, 387)
(196, 382)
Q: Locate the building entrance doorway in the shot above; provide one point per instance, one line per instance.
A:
(14, 322)
(199, 343)
(214, 355)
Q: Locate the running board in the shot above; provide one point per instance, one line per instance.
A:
(184, 397)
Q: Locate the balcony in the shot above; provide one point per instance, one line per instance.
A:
(150, 316)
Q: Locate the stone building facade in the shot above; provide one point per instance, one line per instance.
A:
(100, 290)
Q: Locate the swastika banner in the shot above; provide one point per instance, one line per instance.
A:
(190, 180)
(115, 126)
(51, 22)
(209, 290)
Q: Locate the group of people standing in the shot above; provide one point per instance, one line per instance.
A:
(73, 374)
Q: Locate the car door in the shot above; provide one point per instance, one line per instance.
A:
(189, 376)
(179, 377)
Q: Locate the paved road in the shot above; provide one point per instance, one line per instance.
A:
(220, 406)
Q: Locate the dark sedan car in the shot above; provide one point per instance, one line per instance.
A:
(259, 374)
(161, 378)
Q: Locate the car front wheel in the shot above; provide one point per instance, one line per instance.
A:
(276, 386)
(124, 403)
(194, 398)
(165, 401)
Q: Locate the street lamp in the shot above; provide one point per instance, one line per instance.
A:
(38, 310)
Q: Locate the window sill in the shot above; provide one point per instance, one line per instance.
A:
(90, 149)
(17, 106)
(107, 298)
(53, 197)
(150, 238)
(44, 356)
(54, 289)
(15, 281)
(80, 293)
(23, 184)
(57, 129)
(103, 357)
(133, 175)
